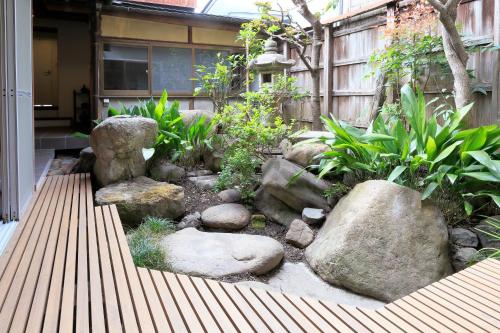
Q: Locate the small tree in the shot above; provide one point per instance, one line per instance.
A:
(454, 49)
(284, 28)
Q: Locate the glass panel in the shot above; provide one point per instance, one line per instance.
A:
(125, 67)
(208, 58)
(172, 69)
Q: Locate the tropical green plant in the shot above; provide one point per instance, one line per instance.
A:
(144, 243)
(435, 152)
(493, 234)
(174, 137)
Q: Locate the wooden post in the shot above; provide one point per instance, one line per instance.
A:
(496, 73)
(328, 72)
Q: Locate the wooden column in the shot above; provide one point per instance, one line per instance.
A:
(328, 73)
(496, 73)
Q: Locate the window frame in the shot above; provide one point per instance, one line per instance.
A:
(149, 45)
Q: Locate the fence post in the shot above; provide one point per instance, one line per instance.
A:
(496, 73)
(327, 72)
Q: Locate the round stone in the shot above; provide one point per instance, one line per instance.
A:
(226, 216)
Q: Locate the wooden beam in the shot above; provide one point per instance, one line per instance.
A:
(365, 9)
(328, 72)
(496, 73)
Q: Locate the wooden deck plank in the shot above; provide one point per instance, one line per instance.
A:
(68, 295)
(465, 281)
(199, 306)
(485, 283)
(50, 280)
(130, 323)
(95, 283)
(190, 316)
(347, 317)
(23, 230)
(486, 265)
(140, 304)
(232, 311)
(41, 265)
(274, 324)
(255, 320)
(112, 309)
(159, 317)
(488, 300)
(274, 308)
(362, 318)
(82, 320)
(388, 325)
(333, 320)
(28, 237)
(404, 325)
(32, 253)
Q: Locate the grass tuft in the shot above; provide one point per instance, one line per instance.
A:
(144, 243)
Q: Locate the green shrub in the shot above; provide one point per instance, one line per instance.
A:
(144, 243)
(174, 138)
(436, 151)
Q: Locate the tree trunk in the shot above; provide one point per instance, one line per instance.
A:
(316, 102)
(378, 96)
(454, 49)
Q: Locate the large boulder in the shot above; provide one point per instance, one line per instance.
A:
(213, 254)
(163, 170)
(293, 185)
(303, 154)
(117, 143)
(274, 209)
(141, 197)
(230, 216)
(383, 241)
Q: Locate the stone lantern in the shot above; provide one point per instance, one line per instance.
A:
(270, 62)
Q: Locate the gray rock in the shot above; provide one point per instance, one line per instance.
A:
(229, 216)
(204, 182)
(198, 173)
(86, 161)
(190, 221)
(165, 171)
(141, 197)
(304, 154)
(383, 241)
(189, 116)
(298, 279)
(213, 159)
(213, 254)
(299, 234)
(486, 240)
(313, 215)
(298, 192)
(462, 256)
(274, 209)
(230, 195)
(463, 237)
(117, 143)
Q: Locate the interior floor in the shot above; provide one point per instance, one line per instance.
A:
(58, 138)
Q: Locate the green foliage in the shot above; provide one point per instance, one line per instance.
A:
(250, 132)
(144, 243)
(174, 137)
(409, 57)
(218, 82)
(494, 235)
(336, 190)
(436, 151)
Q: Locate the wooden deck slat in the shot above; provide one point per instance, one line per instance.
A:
(31, 253)
(124, 296)
(50, 279)
(274, 324)
(160, 320)
(41, 264)
(68, 268)
(169, 306)
(140, 304)
(255, 320)
(112, 309)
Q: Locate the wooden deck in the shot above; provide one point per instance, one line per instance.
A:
(68, 268)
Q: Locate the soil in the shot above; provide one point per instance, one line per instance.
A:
(197, 200)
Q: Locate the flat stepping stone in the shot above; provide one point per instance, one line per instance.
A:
(313, 215)
(299, 234)
(230, 195)
(204, 182)
(229, 216)
(214, 254)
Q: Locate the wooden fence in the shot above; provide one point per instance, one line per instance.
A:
(349, 40)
